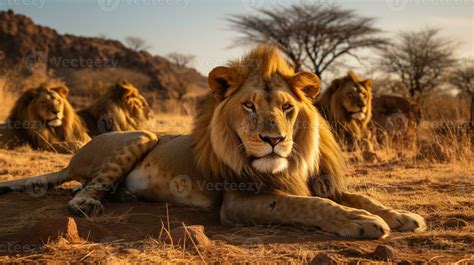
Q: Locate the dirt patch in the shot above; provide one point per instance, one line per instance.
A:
(130, 232)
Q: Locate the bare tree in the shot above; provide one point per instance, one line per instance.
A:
(463, 79)
(136, 43)
(312, 36)
(420, 59)
(179, 64)
(181, 60)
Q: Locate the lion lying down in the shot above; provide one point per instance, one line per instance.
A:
(120, 108)
(43, 118)
(258, 130)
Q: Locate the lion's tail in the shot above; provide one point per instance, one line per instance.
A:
(42, 181)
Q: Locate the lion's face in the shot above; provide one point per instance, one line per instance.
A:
(49, 106)
(355, 98)
(262, 117)
(265, 122)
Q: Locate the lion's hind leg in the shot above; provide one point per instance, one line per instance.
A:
(397, 220)
(111, 172)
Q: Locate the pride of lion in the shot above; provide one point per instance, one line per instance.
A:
(43, 118)
(257, 129)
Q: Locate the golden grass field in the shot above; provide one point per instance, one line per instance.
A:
(129, 232)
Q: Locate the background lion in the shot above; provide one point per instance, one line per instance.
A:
(121, 108)
(259, 153)
(347, 106)
(43, 118)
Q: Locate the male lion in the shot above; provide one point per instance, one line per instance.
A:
(347, 106)
(43, 118)
(259, 151)
(121, 108)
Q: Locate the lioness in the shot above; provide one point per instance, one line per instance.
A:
(43, 118)
(257, 131)
(347, 106)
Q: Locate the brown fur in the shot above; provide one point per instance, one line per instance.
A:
(36, 131)
(259, 129)
(338, 108)
(121, 108)
(266, 62)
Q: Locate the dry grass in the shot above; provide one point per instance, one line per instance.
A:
(6, 100)
(128, 232)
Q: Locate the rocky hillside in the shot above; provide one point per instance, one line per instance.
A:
(95, 60)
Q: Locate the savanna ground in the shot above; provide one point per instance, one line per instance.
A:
(129, 232)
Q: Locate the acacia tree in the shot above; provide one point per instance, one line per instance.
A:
(420, 59)
(179, 64)
(136, 43)
(312, 36)
(463, 79)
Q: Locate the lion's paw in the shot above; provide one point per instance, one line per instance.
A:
(404, 221)
(367, 227)
(86, 206)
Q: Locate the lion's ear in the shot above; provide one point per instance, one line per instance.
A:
(220, 80)
(306, 82)
(61, 90)
(367, 84)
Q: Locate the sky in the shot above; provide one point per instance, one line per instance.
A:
(199, 27)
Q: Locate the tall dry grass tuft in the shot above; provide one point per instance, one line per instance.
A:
(7, 100)
(446, 108)
(436, 142)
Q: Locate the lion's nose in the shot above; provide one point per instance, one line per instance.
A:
(360, 104)
(272, 140)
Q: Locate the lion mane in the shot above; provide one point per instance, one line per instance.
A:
(343, 122)
(121, 108)
(27, 125)
(325, 165)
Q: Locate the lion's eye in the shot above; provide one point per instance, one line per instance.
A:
(249, 106)
(286, 107)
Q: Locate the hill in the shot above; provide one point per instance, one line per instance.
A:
(88, 61)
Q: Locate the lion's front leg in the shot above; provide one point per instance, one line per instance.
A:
(312, 211)
(126, 150)
(396, 219)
